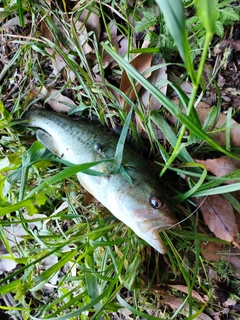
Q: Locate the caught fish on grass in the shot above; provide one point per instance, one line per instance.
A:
(141, 205)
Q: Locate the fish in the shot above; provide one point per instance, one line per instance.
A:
(140, 203)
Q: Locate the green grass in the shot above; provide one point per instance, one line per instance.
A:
(102, 266)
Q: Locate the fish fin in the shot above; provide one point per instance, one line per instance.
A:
(47, 140)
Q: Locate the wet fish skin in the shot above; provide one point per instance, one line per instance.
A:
(141, 206)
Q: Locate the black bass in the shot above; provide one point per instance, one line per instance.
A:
(141, 205)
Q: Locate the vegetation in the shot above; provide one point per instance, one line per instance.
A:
(65, 257)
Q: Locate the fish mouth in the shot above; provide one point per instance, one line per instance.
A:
(156, 225)
(149, 230)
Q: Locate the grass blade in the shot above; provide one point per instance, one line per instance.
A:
(166, 102)
(207, 13)
(174, 16)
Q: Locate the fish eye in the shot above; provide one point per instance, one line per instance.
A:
(97, 146)
(156, 203)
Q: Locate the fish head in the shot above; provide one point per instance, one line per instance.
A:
(145, 209)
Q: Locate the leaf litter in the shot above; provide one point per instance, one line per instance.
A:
(217, 212)
(219, 216)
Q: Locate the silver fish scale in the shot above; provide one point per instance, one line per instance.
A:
(141, 206)
(86, 134)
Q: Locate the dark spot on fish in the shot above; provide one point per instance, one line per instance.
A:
(156, 203)
(62, 155)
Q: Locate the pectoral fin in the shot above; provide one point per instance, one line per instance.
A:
(47, 140)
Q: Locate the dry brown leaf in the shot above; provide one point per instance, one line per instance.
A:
(11, 23)
(92, 23)
(229, 302)
(186, 87)
(233, 258)
(212, 251)
(89, 198)
(218, 215)
(142, 131)
(175, 303)
(203, 316)
(58, 63)
(121, 45)
(184, 289)
(225, 44)
(149, 102)
(98, 79)
(112, 29)
(220, 166)
(119, 42)
(57, 101)
(15, 234)
(82, 35)
(157, 78)
(45, 32)
(203, 110)
(47, 263)
(141, 63)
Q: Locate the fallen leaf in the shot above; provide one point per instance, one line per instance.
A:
(15, 234)
(203, 110)
(220, 166)
(233, 258)
(186, 87)
(112, 27)
(175, 303)
(6, 264)
(229, 302)
(219, 216)
(82, 35)
(221, 81)
(141, 63)
(232, 44)
(47, 263)
(56, 100)
(149, 102)
(212, 251)
(11, 23)
(157, 78)
(203, 316)
(59, 102)
(99, 80)
(218, 133)
(120, 44)
(89, 198)
(45, 31)
(92, 22)
(184, 289)
(58, 63)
